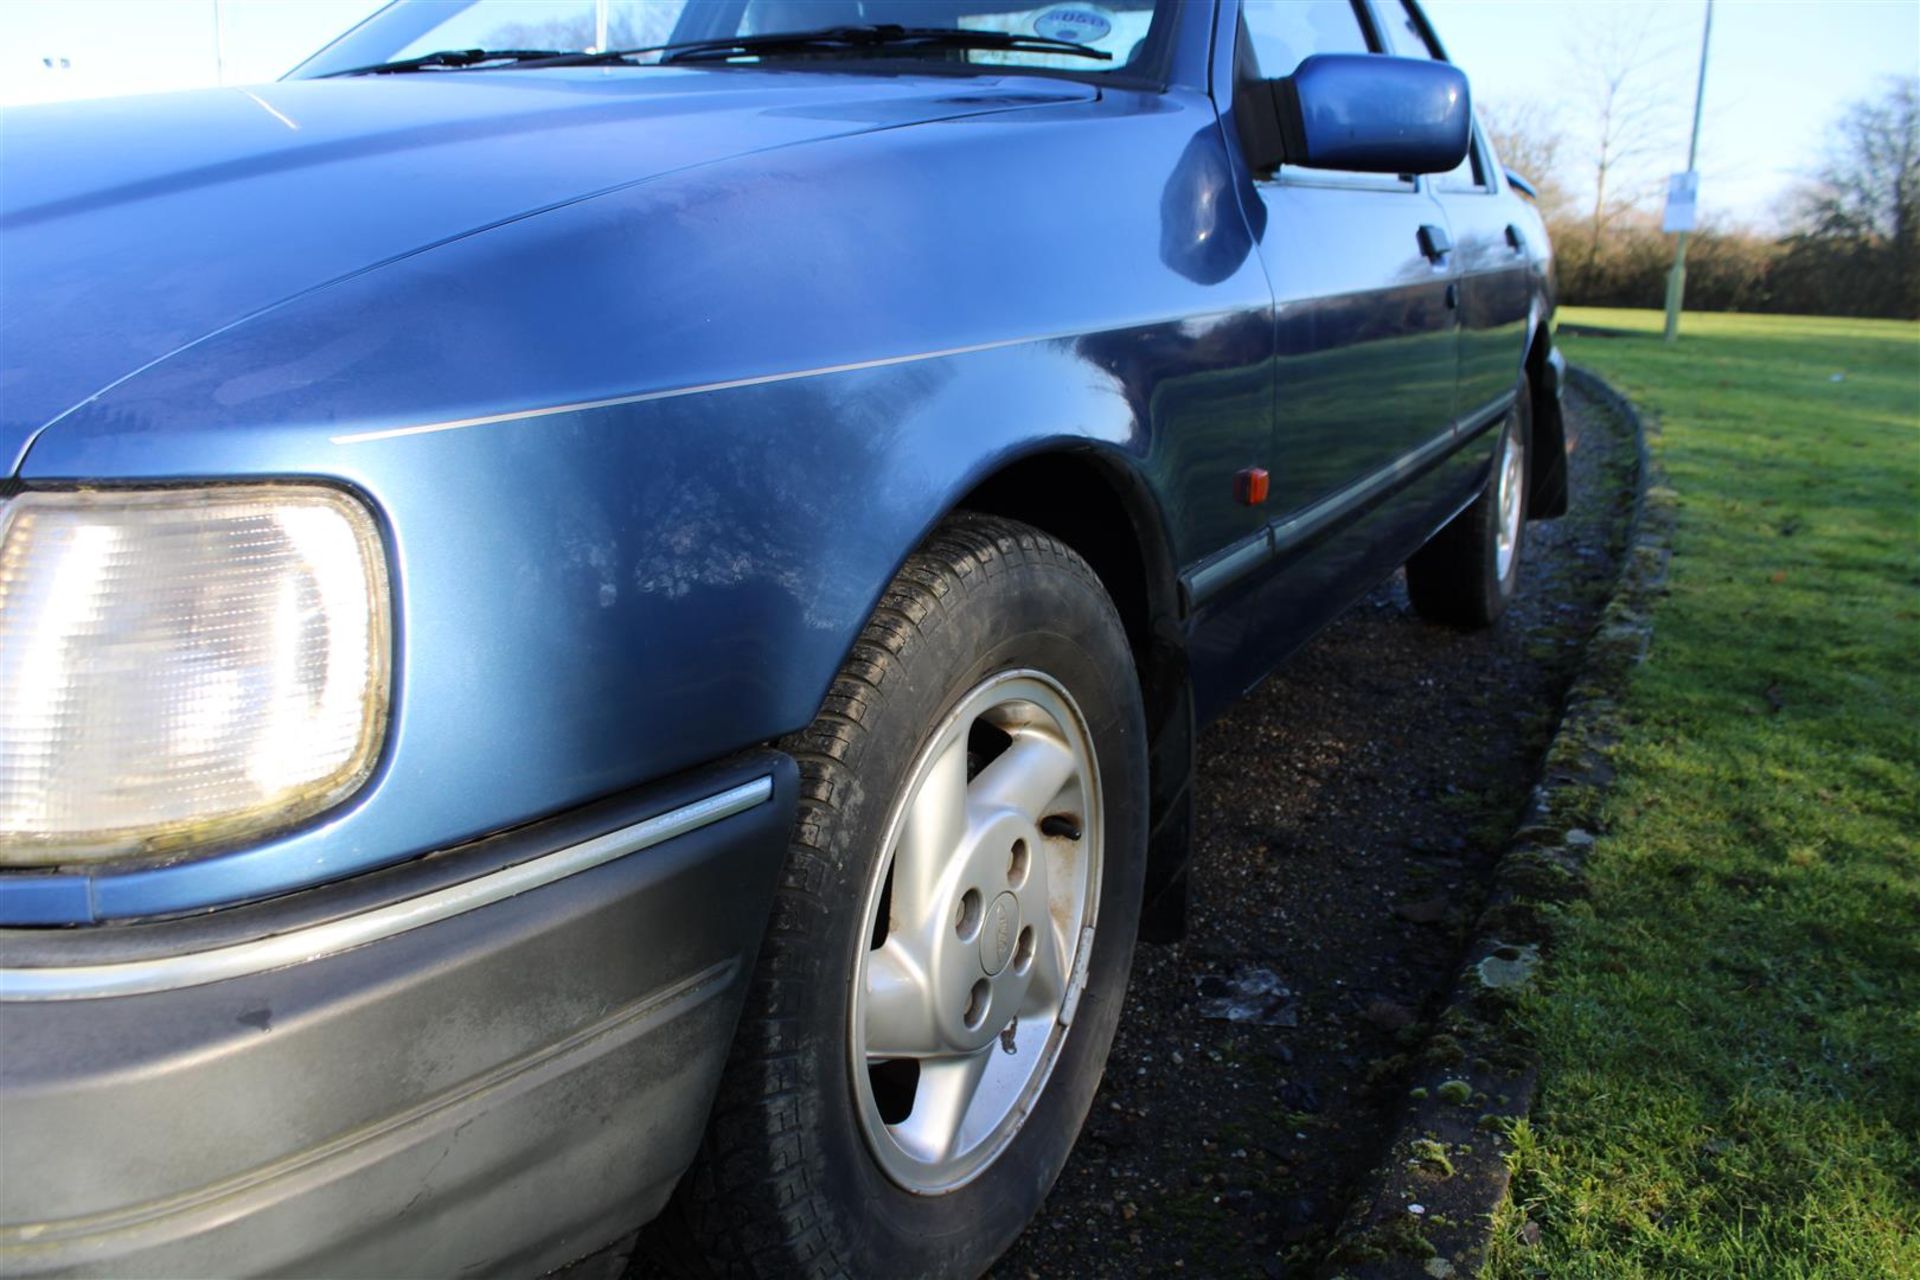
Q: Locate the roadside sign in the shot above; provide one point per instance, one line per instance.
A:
(1683, 189)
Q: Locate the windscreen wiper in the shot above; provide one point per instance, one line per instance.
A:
(452, 59)
(878, 37)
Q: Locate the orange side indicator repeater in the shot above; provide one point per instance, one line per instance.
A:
(1250, 486)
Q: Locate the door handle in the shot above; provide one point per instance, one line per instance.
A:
(1435, 242)
(1514, 238)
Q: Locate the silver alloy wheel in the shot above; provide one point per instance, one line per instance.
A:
(1511, 486)
(968, 984)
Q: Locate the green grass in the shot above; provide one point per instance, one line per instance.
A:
(1731, 1025)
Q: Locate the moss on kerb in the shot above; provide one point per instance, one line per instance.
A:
(1477, 1035)
(1444, 1050)
(1429, 1156)
(1399, 1237)
(1536, 874)
(1518, 920)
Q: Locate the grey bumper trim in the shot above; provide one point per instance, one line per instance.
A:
(169, 973)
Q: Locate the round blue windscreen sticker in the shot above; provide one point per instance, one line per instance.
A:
(1071, 22)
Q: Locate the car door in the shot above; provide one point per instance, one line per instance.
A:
(1364, 368)
(1365, 343)
(1490, 244)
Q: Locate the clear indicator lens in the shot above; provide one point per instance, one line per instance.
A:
(180, 668)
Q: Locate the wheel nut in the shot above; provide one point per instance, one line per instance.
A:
(1023, 950)
(966, 918)
(977, 1004)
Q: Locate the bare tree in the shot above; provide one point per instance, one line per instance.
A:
(1860, 218)
(1528, 143)
(1615, 64)
(1869, 185)
(1855, 242)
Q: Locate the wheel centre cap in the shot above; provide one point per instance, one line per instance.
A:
(997, 933)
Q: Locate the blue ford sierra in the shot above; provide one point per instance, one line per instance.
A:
(604, 603)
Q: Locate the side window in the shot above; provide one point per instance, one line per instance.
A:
(1471, 174)
(1406, 39)
(1283, 33)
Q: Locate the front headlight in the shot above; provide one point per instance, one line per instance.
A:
(181, 667)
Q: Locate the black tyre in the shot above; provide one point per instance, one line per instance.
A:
(949, 948)
(1468, 571)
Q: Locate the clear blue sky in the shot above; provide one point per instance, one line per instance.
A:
(1781, 70)
(1778, 74)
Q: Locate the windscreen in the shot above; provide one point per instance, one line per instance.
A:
(1123, 29)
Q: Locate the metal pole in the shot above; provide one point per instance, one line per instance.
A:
(219, 46)
(1677, 278)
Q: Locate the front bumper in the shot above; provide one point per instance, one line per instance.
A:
(496, 1088)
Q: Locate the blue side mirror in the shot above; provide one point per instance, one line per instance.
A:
(1363, 112)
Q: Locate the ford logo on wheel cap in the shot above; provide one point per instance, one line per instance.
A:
(998, 932)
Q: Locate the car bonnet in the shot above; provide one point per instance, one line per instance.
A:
(132, 228)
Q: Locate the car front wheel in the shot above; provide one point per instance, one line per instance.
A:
(941, 980)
